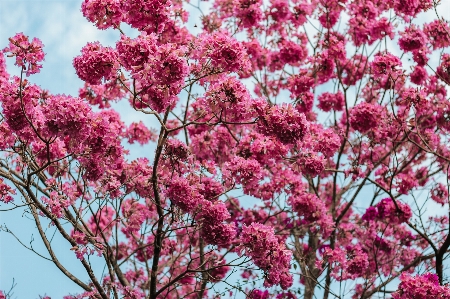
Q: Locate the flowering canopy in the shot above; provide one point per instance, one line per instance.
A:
(299, 145)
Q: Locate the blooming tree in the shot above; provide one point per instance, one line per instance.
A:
(301, 150)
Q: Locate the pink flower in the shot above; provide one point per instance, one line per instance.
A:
(411, 96)
(443, 70)
(386, 64)
(79, 237)
(365, 116)
(410, 8)
(311, 164)
(260, 243)
(406, 182)
(304, 103)
(412, 39)
(213, 212)
(230, 99)
(140, 133)
(300, 83)
(96, 63)
(68, 116)
(243, 170)
(438, 34)
(420, 56)
(183, 194)
(329, 13)
(249, 12)
(156, 97)
(7, 138)
(386, 210)
(300, 11)
(380, 29)
(419, 75)
(211, 188)
(327, 142)
(3, 72)
(150, 16)
(56, 203)
(225, 52)
(6, 192)
(283, 122)
(439, 193)
(279, 10)
(104, 13)
(174, 149)
(169, 65)
(335, 43)
(28, 55)
(308, 206)
(349, 263)
(286, 295)
(358, 262)
(292, 53)
(258, 294)
(424, 286)
(354, 69)
(221, 234)
(20, 110)
(103, 94)
(133, 53)
(135, 214)
(331, 101)
(324, 66)
(101, 224)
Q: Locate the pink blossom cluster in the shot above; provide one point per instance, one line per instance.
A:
(6, 192)
(413, 39)
(104, 13)
(150, 16)
(283, 122)
(7, 139)
(230, 99)
(67, 116)
(243, 171)
(387, 66)
(311, 211)
(222, 52)
(161, 68)
(388, 210)
(3, 72)
(211, 214)
(437, 33)
(350, 263)
(138, 132)
(365, 116)
(271, 256)
(443, 71)
(28, 54)
(259, 294)
(96, 63)
(329, 101)
(20, 109)
(424, 286)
